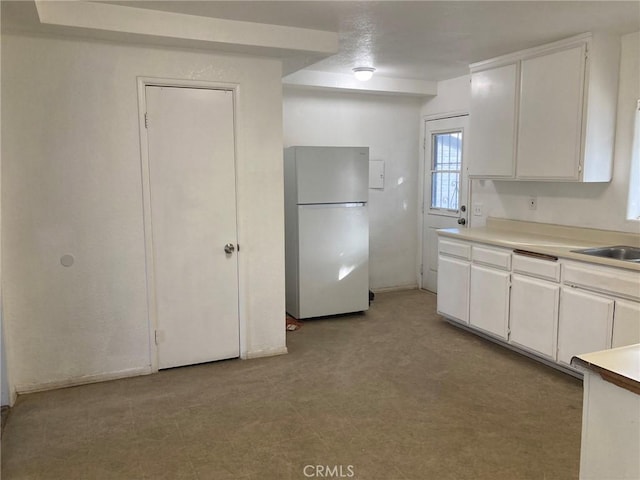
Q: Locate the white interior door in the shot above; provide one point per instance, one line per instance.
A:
(445, 188)
(190, 135)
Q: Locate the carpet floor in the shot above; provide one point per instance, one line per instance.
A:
(395, 393)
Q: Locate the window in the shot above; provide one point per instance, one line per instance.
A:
(446, 162)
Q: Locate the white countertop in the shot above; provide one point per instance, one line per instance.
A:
(624, 361)
(620, 366)
(553, 240)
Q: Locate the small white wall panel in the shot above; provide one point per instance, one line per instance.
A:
(376, 174)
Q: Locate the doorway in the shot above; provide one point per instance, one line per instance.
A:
(445, 188)
(190, 210)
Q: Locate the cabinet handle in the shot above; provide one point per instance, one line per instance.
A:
(541, 256)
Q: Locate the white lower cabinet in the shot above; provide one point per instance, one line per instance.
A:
(453, 288)
(585, 323)
(533, 317)
(552, 309)
(489, 300)
(626, 324)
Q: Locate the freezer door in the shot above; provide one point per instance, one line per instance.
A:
(334, 259)
(332, 174)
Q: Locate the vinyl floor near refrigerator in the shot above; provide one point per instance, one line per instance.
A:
(327, 230)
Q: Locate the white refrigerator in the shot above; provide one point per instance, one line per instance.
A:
(326, 230)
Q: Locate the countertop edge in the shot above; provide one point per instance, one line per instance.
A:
(609, 374)
(535, 243)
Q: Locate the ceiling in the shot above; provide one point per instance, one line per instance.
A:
(425, 40)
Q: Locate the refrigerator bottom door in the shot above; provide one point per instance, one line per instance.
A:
(334, 259)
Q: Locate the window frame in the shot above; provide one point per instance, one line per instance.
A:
(449, 212)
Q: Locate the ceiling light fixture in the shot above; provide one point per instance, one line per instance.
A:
(363, 73)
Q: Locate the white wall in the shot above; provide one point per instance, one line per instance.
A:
(71, 183)
(389, 126)
(600, 205)
(454, 96)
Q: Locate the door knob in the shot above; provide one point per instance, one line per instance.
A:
(229, 248)
(461, 221)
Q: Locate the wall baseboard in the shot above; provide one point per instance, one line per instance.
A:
(87, 379)
(267, 352)
(4, 411)
(413, 286)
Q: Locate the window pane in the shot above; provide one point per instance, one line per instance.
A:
(444, 190)
(447, 152)
(445, 177)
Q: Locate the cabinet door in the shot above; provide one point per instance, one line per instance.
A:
(493, 122)
(626, 324)
(489, 300)
(584, 325)
(550, 117)
(453, 288)
(533, 321)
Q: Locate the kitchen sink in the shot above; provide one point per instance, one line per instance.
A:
(618, 252)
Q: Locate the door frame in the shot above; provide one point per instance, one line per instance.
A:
(152, 312)
(422, 185)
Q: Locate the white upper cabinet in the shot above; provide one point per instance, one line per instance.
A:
(549, 126)
(492, 131)
(547, 113)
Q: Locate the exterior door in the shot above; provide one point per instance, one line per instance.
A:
(445, 188)
(190, 134)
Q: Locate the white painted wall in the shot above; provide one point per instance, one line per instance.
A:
(389, 127)
(71, 181)
(454, 96)
(599, 205)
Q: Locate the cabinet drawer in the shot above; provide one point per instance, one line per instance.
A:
(547, 269)
(489, 256)
(455, 249)
(615, 281)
